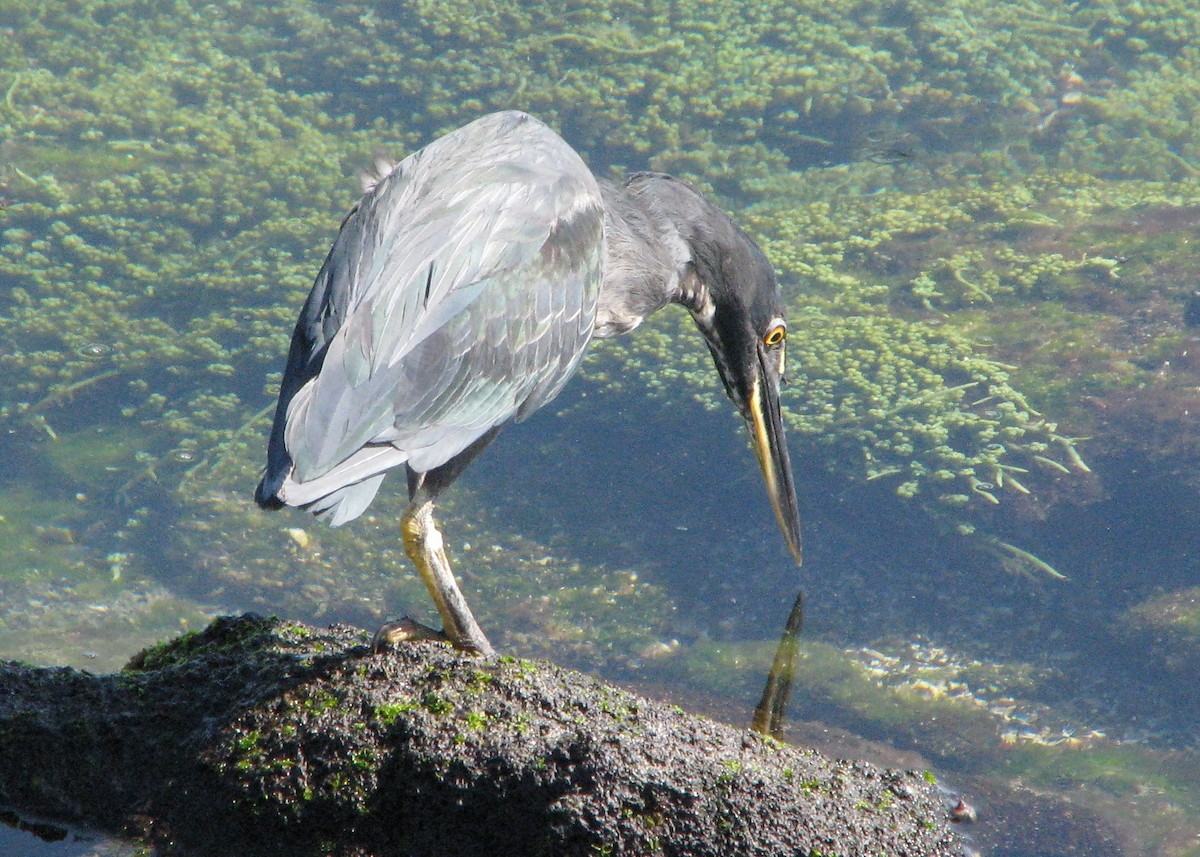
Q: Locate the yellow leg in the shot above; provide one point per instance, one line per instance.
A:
(424, 545)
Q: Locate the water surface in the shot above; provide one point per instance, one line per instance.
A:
(983, 219)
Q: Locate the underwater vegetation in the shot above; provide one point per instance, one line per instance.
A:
(949, 710)
(934, 342)
(924, 317)
(542, 599)
(983, 215)
(167, 203)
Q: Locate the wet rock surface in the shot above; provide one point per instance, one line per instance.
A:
(258, 736)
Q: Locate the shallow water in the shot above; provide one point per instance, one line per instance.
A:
(28, 837)
(156, 251)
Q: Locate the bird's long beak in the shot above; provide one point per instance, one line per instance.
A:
(765, 422)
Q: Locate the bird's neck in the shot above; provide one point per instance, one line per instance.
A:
(646, 259)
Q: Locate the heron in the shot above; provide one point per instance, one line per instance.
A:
(461, 293)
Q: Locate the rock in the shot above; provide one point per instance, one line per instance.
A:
(258, 736)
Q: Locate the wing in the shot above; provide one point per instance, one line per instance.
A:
(459, 294)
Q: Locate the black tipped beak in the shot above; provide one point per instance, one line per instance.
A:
(765, 422)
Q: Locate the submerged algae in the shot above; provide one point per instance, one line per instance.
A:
(961, 715)
(1071, 280)
(540, 598)
(166, 204)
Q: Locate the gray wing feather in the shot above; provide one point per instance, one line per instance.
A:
(459, 294)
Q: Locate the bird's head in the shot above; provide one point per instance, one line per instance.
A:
(730, 289)
(740, 313)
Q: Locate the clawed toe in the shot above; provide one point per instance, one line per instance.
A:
(405, 630)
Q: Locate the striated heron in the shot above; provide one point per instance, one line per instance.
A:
(462, 292)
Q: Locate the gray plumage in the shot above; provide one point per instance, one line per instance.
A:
(461, 293)
(411, 345)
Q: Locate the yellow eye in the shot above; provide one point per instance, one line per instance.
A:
(775, 336)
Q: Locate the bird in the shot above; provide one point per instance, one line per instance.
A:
(461, 293)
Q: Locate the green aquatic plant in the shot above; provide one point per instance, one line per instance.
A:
(1146, 128)
(944, 247)
(1173, 617)
(566, 608)
(886, 386)
(166, 204)
(923, 408)
(888, 362)
(960, 198)
(726, 93)
(952, 714)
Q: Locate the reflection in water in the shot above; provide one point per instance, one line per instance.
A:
(981, 261)
(39, 829)
(24, 836)
(772, 708)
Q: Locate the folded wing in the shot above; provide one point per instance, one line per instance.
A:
(459, 294)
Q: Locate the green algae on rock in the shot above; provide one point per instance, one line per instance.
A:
(278, 738)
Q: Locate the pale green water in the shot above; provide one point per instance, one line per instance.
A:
(983, 218)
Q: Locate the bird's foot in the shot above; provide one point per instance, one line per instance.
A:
(406, 630)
